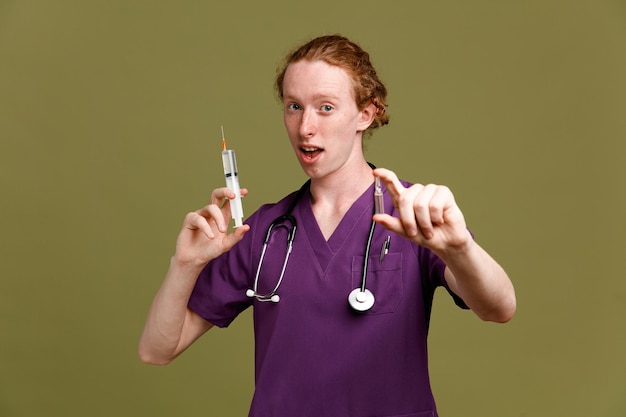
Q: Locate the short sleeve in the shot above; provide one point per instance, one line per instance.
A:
(219, 295)
(435, 271)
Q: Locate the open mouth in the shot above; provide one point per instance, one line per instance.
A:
(310, 153)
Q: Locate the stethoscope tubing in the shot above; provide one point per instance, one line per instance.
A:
(360, 299)
(272, 296)
(367, 255)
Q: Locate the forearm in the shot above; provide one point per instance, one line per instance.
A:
(429, 216)
(170, 326)
(481, 282)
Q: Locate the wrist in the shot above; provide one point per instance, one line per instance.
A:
(460, 248)
(186, 265)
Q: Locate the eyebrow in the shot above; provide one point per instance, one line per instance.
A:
(315, 97)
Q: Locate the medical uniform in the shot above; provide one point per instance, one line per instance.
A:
(314, 355)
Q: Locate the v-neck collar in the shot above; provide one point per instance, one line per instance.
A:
(325, 250)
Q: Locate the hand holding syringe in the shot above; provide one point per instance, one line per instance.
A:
(232, 181)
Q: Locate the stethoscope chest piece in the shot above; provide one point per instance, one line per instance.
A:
(361, 300)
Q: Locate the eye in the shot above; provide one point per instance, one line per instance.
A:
(293, 107)
(326, 108)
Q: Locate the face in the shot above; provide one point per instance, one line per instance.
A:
(323, 123)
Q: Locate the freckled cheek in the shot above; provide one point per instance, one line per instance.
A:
(292, 127)
(293, 124)
(292, 130)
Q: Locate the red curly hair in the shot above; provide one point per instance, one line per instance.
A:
(338, 51)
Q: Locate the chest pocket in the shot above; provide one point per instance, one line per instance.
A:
(384, 280)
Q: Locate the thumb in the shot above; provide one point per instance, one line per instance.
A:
(235, 237)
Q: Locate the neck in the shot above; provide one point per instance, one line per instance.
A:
(332, 197)
(343, 186)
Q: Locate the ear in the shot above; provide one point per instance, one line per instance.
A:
(366, 117)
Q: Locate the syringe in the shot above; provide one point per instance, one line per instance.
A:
(232, 181)
(379, 203)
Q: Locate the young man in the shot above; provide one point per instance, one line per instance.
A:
(315, 355)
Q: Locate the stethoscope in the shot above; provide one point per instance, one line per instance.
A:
(360, 299)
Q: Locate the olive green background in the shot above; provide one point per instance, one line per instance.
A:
(110, 115)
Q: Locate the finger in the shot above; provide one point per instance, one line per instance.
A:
(397, 192)
(222, 193)
(424, 209)
(196, 221)
(392, 183)
(402, 199)
(440, 202)
(218, 195)
(390, 223)
(213, 213)
(242, 193)
(410, 211)
(233, 238)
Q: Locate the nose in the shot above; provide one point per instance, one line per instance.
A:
(307, 124)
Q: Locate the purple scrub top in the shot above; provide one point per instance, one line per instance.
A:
(314, 355)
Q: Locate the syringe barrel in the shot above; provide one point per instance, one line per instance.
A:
(379, 202)
(232, 182)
